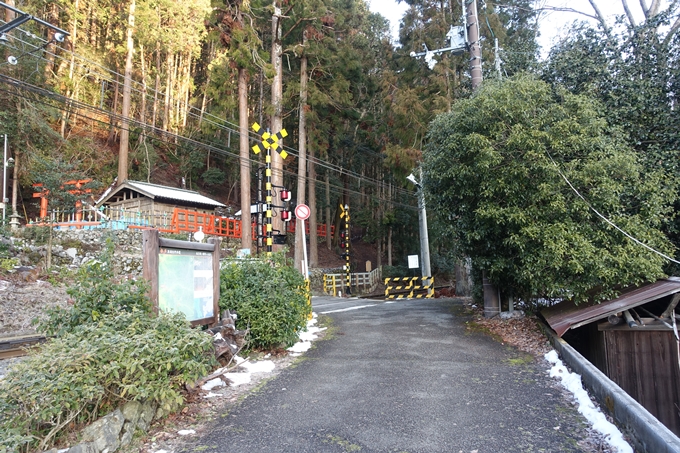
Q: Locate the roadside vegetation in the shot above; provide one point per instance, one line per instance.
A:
(109, 347)
(270, 299)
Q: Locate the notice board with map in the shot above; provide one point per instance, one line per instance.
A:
(184, 277)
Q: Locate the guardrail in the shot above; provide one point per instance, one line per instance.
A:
(406, 288)
(365, 282)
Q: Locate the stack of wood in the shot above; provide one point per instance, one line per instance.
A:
(227, 341)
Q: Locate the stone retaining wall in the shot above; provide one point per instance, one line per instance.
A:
(115, 430)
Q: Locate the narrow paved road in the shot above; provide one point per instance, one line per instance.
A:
(402, 377)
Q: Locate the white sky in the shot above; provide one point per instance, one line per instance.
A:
(553, 24)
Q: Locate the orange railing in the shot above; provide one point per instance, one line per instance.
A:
(182, 221)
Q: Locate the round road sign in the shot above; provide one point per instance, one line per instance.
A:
(302, 211)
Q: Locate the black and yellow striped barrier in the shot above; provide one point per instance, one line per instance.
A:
(417, 291)
(330, 283)
(308, 288)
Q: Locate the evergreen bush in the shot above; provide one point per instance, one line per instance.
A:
(109, 348)
(270, 299)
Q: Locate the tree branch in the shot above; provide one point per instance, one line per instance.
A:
(645, 8)
(654, 8)
(599, 17)
(672, 31)
(629, 14)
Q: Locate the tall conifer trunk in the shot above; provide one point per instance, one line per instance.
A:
(276, 122)
(244, 158)
(127, 91)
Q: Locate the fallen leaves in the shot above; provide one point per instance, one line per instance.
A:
(523, 333)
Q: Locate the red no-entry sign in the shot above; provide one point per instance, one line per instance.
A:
(302, 211)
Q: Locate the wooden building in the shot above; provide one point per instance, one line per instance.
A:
(148, 204)
(634, 341)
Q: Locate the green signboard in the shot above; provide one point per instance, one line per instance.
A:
(185, 282)
(183, 276)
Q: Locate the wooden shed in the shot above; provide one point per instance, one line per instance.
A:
(634, 341)
(151, 204)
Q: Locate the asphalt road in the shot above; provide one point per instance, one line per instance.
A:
(402, 377)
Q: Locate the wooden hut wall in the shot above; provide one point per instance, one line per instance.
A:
(589, 342)
(645, 365)
(154, 213)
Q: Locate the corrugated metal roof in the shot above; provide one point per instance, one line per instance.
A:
(566, 315)
(168, 193)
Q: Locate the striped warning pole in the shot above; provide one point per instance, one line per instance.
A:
(344, 214)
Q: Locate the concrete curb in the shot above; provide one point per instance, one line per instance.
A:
(648, 434)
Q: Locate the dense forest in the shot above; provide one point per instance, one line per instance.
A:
(165, 92)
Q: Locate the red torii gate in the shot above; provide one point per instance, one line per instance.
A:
(78, 190)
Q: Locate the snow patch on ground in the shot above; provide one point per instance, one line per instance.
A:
(307, 336)
(572, 382)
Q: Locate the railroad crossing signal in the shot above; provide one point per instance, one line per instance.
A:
(269, 142)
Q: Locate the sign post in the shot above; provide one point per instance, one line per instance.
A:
(302, 212)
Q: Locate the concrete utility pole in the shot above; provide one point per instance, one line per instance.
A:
(475, 46)
(425, 269)
(492, 306)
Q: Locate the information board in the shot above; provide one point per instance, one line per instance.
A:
(185, 282)
(183, 276)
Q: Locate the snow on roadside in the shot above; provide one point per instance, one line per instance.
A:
(247, 369)
(262, 366)
(572, 382)
(306, 337)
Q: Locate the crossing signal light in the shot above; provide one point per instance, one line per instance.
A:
(285, 195)
(285, 216)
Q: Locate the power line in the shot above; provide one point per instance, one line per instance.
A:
(164, 136)
(605, 218)
(192, 112)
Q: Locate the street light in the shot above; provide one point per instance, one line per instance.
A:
(6, 163)
(422, 220)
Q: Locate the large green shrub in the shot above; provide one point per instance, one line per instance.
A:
(97, 367)
(270, 299)
(109, 348)
(496, 170)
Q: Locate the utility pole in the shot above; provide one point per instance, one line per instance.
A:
(492, 305)
(425, 269)
(497, 59)
(4, 180)
(276, 122)
(475, 46)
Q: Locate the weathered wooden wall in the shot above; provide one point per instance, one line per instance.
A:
(645, 365)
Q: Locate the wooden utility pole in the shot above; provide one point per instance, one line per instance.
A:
(127, 91)
(276, 122)
(244, 158)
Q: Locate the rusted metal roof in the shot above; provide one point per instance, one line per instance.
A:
(566, 315)
(155, 191)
